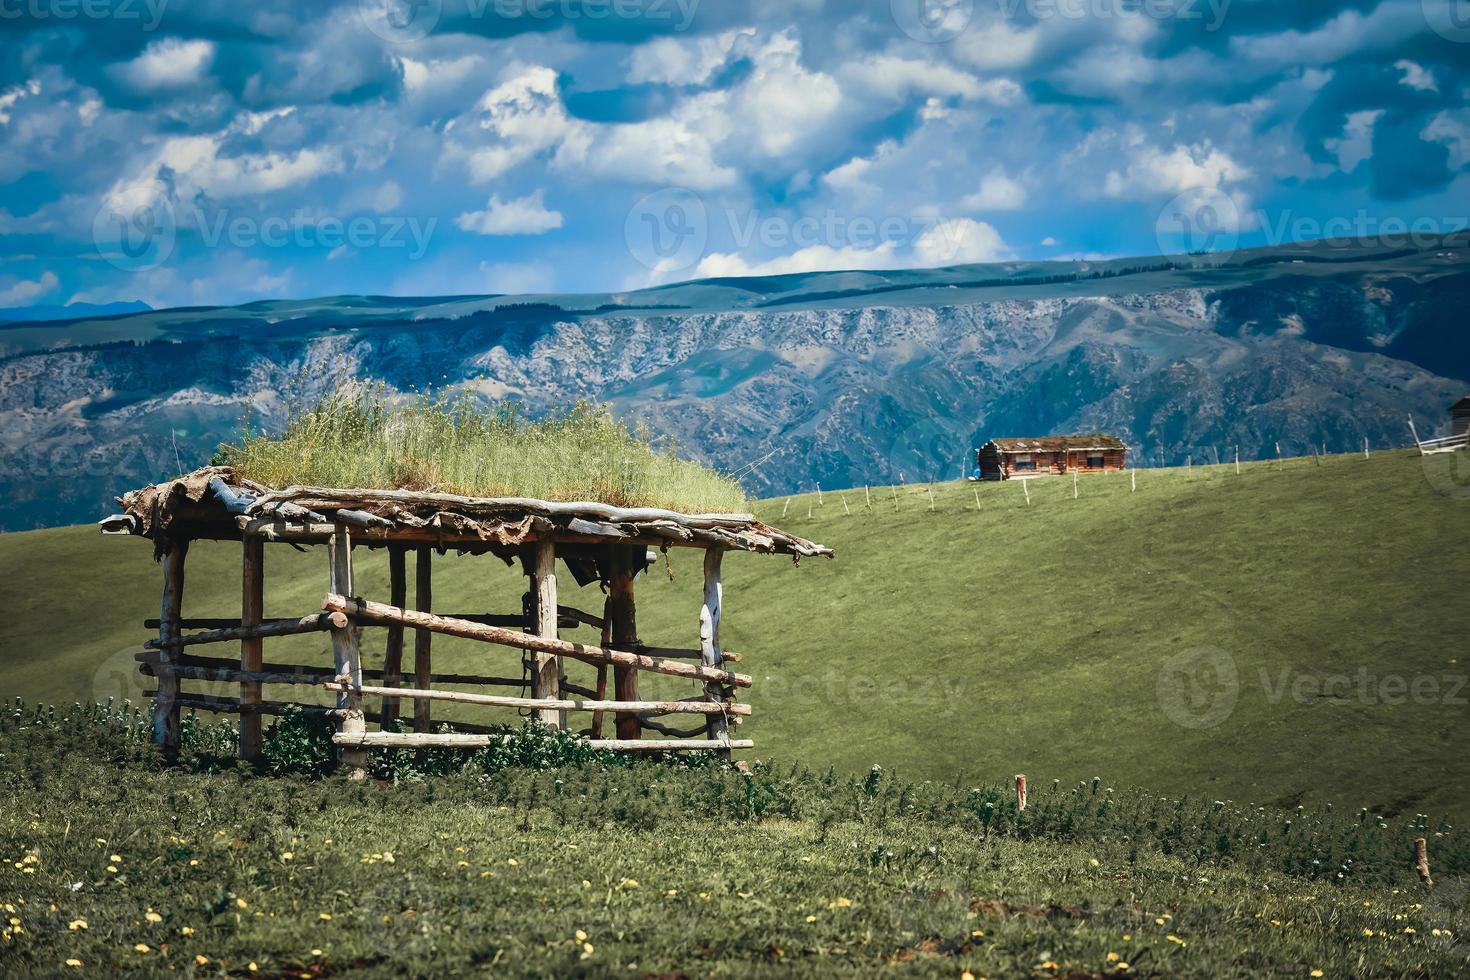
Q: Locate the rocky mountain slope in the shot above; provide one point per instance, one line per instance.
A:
(837, 379)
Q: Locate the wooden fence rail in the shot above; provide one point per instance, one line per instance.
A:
(376, 612)
(415, 740)
(216, 668)
(554, 704)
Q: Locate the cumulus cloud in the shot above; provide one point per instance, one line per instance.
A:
(1356, 143)
(813, 258)
(1416, 76)
(997, 193)
(519, 216)
(168, 63)
(13, 95)
(684, 61)
(961, 241)
(25, 291)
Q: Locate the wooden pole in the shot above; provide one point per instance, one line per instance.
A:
(1237, 461)
(252, 648)
(1134, 474)
(347, 659)
(868, 495)
(715, 708)
(624, 621)
(602, 668)
(716, 726)
(1366, 454)
(165, 703)
(423, 600)
(1026, 489)
(393, 659)
(540, 563)
(1074, 484)
(1421, 861)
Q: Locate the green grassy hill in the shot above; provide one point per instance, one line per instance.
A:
(1177, 638)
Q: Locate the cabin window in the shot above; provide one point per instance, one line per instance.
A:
(1095, 462)
(1025, 464)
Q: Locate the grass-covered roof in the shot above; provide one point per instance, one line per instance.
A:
(360, 436)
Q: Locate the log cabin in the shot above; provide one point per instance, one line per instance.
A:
(553, 674)
(1021, 459)
(1460, 417)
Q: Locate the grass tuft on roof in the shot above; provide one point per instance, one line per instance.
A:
(361, 436)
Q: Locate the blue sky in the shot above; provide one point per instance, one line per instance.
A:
(214, 151)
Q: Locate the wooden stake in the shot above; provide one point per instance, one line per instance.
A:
(820, 501)
(1421, 861)
(1026, 488)
(846, 508)
(624, 618)
(1366, 454)
(393, 659)
(787, 507)
(252, 652)
(931, 496)
(347, 658)
(1237, 461)
(1074, 484)
(545, 667)
(716, 726)
(165, 703)
(868, 496)
(423, 600)
(1134, 473)
(1020, 791)
(1280, 464)
(977, 500)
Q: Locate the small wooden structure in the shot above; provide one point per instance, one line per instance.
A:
(1460, 417)
(594, 542)
(1020, 459)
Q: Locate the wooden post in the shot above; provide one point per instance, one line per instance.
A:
(165, 702)
(715, 726)
(1134, 474)
(624, 636)
(602, 668)
(346, 658)
(423, 600)
(1366, 454)
(1026, 489)
(1237, 461)
(540, 564)
(252, 655)
(393, 659)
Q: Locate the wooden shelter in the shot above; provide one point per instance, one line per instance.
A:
(593, 541)
(1019, 459)
(1460, 417)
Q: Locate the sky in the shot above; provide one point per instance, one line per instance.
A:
(202, 152)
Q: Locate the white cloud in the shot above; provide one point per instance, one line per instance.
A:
(522, 117)
(1452, 128)
(961, 241)
(684, 61)
(11, 96)
(519, 216)
(25, 291)
(997, 193)
(898, 78)
(1416, 76)
(1151, 171)
(1049, 242)
(1356, 144)
(997, 46)
(168, 63)
(813, 258)
(1349, 33)
(783, 105)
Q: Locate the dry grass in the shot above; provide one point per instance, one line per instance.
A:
(360, 436)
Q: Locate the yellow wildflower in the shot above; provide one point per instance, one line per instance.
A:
(325, 916)
(141, 947)
(187, 931)
(240, 903)
(153, 916)
(581, 936)
(74, 963)
(287, 855)
(1175, 939)
(201, 959)
(513, 862)
(77, 925)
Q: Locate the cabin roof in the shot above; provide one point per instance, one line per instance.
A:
(1058, 444)
(1463, 405)
(215, 502)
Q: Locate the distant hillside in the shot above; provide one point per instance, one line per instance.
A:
(1209, 633)
(71, 311)
(789, 382)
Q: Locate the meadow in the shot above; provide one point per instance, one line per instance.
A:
(570, 866)
(1191, 637)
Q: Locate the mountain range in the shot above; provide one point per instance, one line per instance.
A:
(828, 379)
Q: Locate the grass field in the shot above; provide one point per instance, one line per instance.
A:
(1282, 636)
(112, 865)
